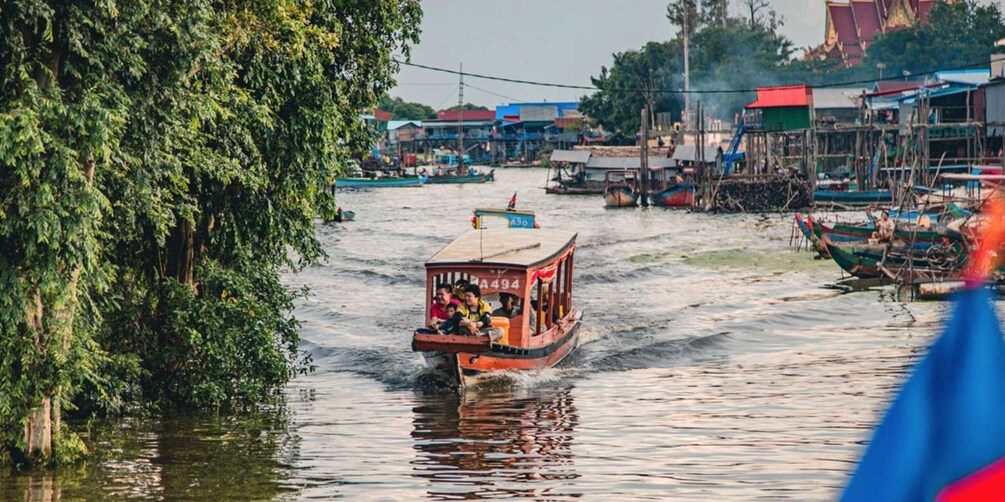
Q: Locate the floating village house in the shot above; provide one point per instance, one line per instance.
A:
(773, 122)
(993, 95)
(517, 131)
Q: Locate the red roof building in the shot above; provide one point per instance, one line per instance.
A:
(852, 25)
(783, 96)
(466, 115)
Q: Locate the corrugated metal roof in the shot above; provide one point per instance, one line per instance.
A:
(966, 77)
(783, 96)
(466, 115)
(627, 163)
(829, 98)
(514, 247)
(689, 153)
(395, 124)
(574, 156)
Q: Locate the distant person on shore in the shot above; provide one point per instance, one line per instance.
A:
(508, 306)
(438, 311)
(473, 315)
(885, 228)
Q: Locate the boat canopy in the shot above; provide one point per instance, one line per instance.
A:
(509, 247)
(514, 218)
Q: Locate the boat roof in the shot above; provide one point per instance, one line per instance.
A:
(510, 247)
(492, 211)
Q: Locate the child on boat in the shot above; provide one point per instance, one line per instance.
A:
(450, 326)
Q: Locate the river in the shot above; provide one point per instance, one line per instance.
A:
(716, 363)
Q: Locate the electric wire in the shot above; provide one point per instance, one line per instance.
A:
(679, 91)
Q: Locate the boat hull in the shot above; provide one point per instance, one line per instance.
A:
(621, 197)
(473, 178)
(466, 361)
(853, 198)
(679, 196)
(378, 182)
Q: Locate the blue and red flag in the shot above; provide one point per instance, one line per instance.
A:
(943, 437)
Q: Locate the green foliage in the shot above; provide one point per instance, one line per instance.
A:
(633, 80)
(467, 107)
(402, 110)
(750, 52)
(958, 34)
(160, 163)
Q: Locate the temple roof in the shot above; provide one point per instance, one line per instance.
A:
(852, 25)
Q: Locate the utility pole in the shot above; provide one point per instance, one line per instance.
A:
(460, 122)
(687, 68)
(644, 157)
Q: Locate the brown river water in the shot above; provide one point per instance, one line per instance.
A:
(716, 363)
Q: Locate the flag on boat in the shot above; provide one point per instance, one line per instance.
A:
(512, 202)
(943, 437)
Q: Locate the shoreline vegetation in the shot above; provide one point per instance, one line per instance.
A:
(159, 165)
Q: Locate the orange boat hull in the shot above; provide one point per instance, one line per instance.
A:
(468, 364)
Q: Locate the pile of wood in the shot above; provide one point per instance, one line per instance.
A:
(775, 193)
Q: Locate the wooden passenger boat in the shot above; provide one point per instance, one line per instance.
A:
(535, 266)
(621, 188)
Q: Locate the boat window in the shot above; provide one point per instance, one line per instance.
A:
(495, 300)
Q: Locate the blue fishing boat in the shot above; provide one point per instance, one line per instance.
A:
(853, 198)
(405, 181)
(463, 178)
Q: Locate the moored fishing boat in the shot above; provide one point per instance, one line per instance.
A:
(621, 188)
(668, 188)
(480, 177)
(389, 181)
(534, 266)
(853, 198)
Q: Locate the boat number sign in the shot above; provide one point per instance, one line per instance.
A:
(498, 280)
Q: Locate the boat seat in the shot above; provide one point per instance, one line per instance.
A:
(502, 325)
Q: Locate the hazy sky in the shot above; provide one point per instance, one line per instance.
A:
(562, 41)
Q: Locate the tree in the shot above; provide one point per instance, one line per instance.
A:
(960, 34)
(402, 110)
(754, 7)
(635, 79)
(159, 165)
(684, 15)
(714, 12)
(467, 107)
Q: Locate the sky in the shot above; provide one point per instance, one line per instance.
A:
(560, 41)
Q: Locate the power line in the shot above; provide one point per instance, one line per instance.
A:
(493, 93)
(661, 91)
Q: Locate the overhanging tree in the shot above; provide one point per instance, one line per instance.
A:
(159, 164)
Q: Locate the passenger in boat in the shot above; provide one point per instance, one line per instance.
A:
(438, 311)
(885, 228)
(473, 315)
(678, 179)
(508, 306)
(460, 285)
